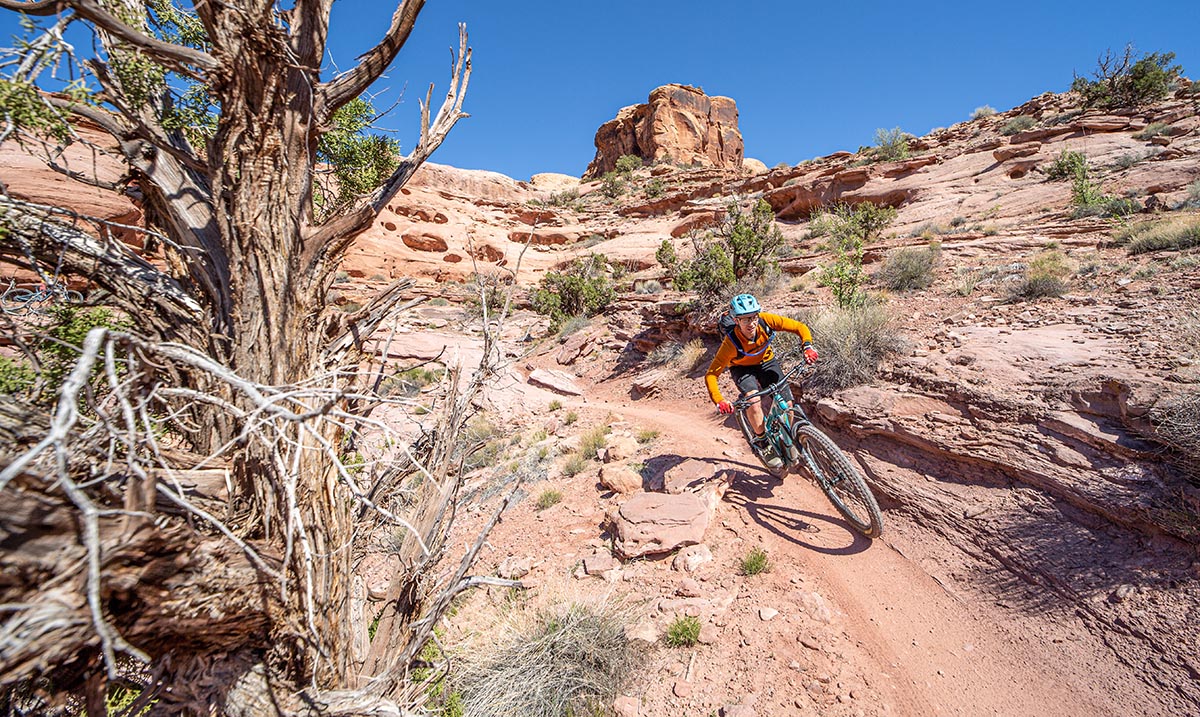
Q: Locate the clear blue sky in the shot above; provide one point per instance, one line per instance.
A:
(808, 78)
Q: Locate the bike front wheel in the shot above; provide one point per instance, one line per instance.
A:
(842, 483)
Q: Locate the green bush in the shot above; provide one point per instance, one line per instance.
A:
(612, 185)
(654, 188)
(1121, 82)
(626, 163)
(1020, 123)
(742, 247)
(891, 145)
(851, 227)
(755, 562)
(1068, 165)
(684, 631)
(565, 198)
(582, 290)
(910, 268)
(15, 376)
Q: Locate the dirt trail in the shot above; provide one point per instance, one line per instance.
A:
(918, 634)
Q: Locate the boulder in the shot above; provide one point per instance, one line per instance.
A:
(687, 475)
(655, 523)
(556, 381)
(678, 124)
(425, 242)
(620, 478)
(691, 558)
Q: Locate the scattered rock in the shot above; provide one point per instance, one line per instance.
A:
(654, 523)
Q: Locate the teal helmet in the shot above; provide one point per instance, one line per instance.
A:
(743, 304)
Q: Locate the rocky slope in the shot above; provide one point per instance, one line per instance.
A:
(1040, 553)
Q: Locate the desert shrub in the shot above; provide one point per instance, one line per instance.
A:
(410, 381)
(891, 145)
(570, 418)
(575, 464)
(646, 435)
(1128, 82)
(651, 286)
(582, 290)
(612, 185)
(627, 163)
(481, 443)
(684, 631)
(1045, 276)
(853, 343)
(981, 112)
(1068, 165)
(565, 198)
(592, 441)
(1129, 159)
(851, 228)
(1176, 423)
(1154, 129)
(1193, 198)
(742, 247)
(755, 562)
(15, 376)
(692, 355)
(554, 405)
(1172, 234)
(1020, 123)
(573, 324)
(909, 268)
(561, 660)
(341, 277)
(654, 188)
(665, 353)
(549, 498)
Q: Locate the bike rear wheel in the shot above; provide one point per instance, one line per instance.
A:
(16, 301)
(748, 432)
(842, 483)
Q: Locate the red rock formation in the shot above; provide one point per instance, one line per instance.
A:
(680, 124)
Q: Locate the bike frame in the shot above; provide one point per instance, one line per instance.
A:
(778, 421)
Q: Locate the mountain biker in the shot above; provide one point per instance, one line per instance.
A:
(746, 351)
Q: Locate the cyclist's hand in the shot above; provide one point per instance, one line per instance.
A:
(811, 355)
(725, 407)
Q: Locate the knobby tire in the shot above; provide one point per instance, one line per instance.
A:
(842, 483)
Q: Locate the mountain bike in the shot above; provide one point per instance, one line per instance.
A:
(18, 300)
(801, 445)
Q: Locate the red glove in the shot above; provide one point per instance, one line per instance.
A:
(725, 407)
(811, 355)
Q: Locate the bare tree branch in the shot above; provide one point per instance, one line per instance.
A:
(332, 95)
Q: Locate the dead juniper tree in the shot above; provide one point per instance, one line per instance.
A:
(195, 500)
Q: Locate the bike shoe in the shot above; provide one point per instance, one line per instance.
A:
(768, 454)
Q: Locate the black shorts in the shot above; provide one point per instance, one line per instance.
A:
(753, 378)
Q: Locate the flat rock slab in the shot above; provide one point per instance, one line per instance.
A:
(655, 523)
(557, 381)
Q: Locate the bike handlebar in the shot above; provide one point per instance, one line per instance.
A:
(802, 370)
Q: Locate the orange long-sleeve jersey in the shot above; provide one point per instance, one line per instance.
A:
(727, 354)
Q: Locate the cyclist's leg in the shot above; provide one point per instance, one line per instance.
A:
(747, 381)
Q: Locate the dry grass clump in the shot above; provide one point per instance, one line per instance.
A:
(1174, 234)
(853, 343)
(1177, 424)
(560, 659)
(910, 268)
(1046, 276)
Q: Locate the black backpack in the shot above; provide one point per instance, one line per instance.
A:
(728, 328)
